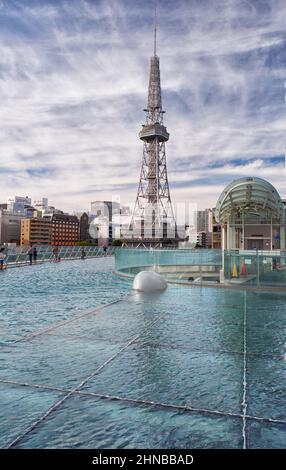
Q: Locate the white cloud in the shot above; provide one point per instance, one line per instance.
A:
(73, 82)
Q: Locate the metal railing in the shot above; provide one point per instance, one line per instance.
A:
(19, 256)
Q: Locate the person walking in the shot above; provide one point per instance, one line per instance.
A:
(30, 253)
(83, 254)
(35, 254)
(55, 254)
(2, 258)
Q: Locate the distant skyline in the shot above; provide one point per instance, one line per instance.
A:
(73, 85)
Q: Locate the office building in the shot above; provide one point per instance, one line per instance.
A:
(83, 219)
(65, 229)
(36, 231)
(203, 220)
(10, 227)
(18, 204)
(104, 209)
(41, 204)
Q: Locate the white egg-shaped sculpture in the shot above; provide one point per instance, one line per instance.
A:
(147, 281)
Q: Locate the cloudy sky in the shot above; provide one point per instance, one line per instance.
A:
(73, 83)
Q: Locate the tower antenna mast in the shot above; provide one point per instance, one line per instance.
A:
(155, 28)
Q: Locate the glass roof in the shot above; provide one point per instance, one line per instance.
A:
(249, 195)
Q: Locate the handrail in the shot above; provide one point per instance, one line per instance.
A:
(18, 256)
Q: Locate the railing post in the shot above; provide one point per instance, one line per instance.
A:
(257, 268)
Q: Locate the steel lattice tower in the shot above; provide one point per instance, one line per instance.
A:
(153, 221)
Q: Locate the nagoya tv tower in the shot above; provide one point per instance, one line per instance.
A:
(153, 222)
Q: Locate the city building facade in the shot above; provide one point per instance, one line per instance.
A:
(65, 229)
(83, 219)
(204, 239)
(215, 232)
(18, 204)
(10, 227)
(104, 209)
(41, 204)
(104, 215)
(203, 220)
(36, 231)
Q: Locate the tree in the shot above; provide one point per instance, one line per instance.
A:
(117, 243)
